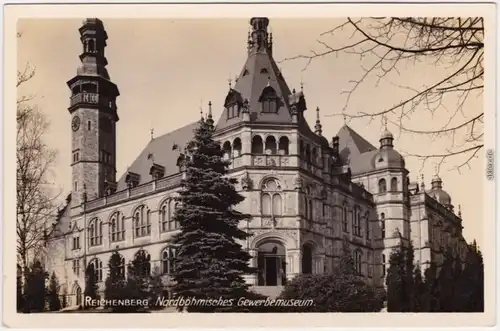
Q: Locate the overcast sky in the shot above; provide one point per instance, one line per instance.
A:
(167, 69)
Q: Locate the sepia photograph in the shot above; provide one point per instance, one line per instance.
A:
(253, 163)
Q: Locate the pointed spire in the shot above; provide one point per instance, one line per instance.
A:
(386, 140)
(210, 120)
(422, 183)
(318, 126)
(152, 133)
(460, 211)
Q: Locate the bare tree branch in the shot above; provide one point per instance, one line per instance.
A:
(453, 46)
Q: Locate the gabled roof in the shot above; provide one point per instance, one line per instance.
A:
(164, 151)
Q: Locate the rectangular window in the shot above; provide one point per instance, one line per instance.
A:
(370, 264)
(76, 267)
(76, 242)
(368, 230)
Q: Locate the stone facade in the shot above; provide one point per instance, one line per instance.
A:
(307, 197)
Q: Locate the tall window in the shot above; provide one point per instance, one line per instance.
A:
(358, 261)
(271, 199)
(382, 225)
(369, 264)
(368, 226)
(344, 219)
(95, 232)
(233, 111)
(382, 186)
(76, 242)
(117, 227)
(394, 184)
(76, 267)
(383, 265)
(257, 145)
(97, 268)
(356, 224)
(168, 260)
(167, 213)
(142, 221)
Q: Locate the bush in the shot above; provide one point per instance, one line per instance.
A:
(332, 293)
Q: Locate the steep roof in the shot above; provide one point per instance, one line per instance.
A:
(259, 72)
(161, 151)
(356, 150)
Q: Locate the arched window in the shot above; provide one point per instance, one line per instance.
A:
(257, 145)
(144, 268)
(95, 232)
(237, 147)
(168, 260)
(271, 145)
(307, 259)
(117, 227)
(142, 222)
(382, 225)
(283, 145)
(394, 184)
(271, 200)
(227, 150)
(382, 186)
(358, 255)
(78, 295)
(172, 223)
(345, 222)
(97, 264)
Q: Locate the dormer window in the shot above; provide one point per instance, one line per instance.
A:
(132, 179)
(269, 100)
(157, 171)
(233, 111)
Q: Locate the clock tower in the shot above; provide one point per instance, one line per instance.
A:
(93, 119)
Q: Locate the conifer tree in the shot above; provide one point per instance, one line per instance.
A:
(408, 280)
(395, 281)
(430, 303)
(445, 283)
(419, 290)
(210, 260)
(54, 302)
(139, 277)
(473, 277)
(115, 285)
(35, 291)
(91, 287)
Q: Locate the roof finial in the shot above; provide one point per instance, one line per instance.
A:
(152, 133)
(210, 121)
(302, 83)
(230, 81)
(422, 183)
(268, 80)
(318, 126)
(460, 211)
(345, 119)
(385, 122)
(201, 108)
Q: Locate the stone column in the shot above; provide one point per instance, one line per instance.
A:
(293, 266)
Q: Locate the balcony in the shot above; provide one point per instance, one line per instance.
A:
(91, 98)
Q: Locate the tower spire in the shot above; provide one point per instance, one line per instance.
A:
(318, 126)
(210, 120)
(259, 36)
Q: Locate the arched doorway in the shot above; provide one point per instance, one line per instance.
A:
(307, 259)
(271, 264)
(78, 295)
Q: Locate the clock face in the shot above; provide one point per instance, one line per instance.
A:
(75, 124)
